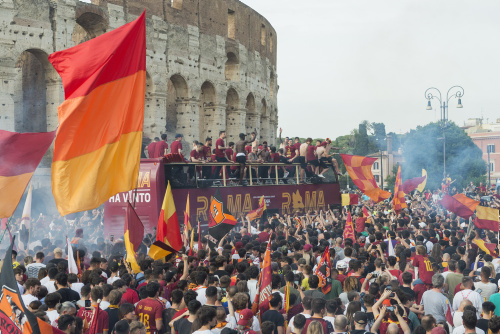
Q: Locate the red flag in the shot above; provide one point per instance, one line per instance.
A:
(4, 223)
(257, 213)
(265, 289)
(187, 224)
(487, 218)
(323, 271)
(460, 205)
(365, 212)
(349, 228)
(360, 224)
(398, 201)
(412, 184)
(360, 171)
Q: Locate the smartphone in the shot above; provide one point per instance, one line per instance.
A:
(88, 303)
(390, 308)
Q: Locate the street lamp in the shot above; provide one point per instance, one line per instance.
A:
(456, 91)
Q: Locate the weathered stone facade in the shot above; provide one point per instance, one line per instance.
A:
(211, 64)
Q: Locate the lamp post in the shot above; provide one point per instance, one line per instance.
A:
(456, 91)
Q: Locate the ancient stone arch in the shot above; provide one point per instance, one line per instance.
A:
(207, 107)
(91, 21)
(264, 122)
(177, 100)
(252, 119)
(37, 93)
(232, 67)
(234, 116)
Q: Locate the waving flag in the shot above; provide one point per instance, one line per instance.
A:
(365, 212)
(421, 186)
(484, 246)
(265, 288)
(398, 201)
(14, 316)
(257, 213)
(98, 145)
(20, 154)
(323, 271)
(360, 224)
(487, 218)
(349, 199)
(412, 184)
(134, 233)
(220, 221)
(449, 316)
(287, 302)
(72, 266)
(460, 205)
(200, 245)
(187, 224)
(168, 232)
(390, 248)
(360, 171)
(349, 228)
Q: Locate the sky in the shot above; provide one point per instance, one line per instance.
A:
(341, 62)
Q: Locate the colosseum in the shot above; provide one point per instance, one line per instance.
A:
(211, 64)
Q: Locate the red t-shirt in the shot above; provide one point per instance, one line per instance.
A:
(296, 147)
(149, 310)
(160, 149)
(130, 296)
(151, 149)
(424, 266)
(229, 154)
(248, 148)
(263, 237)
(218, 144)
(310, 153)
(175, 146)
(275, 157)
(197, 155)
(207, 152)
(289, 151)
(179, 313)
(102, 318)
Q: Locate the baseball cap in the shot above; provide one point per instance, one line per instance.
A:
(361, 318)
(58, 251)
(341, 265)
(178, 135)
(242, 135)
(245, 316)
(307, 247)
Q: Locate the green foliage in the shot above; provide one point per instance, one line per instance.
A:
(423, 149)
(390, 180)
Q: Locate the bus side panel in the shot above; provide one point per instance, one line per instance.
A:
(285, 199)
(148, 200)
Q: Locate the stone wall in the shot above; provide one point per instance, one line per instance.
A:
(211, 65)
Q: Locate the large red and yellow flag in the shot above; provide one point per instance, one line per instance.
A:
(98, 144)
(349, 199)
(20, 154)
(187, 224)
(265, 288)
(398, 202)
(460, 205)
(168, 231)
(412, 184)
(487, 218)
(257, 213)
(360, 171)
(349, 228)
(134, 233)
(323, 271)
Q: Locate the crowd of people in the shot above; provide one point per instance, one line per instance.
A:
(314, 157)
(422, 270)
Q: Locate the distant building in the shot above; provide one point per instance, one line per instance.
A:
(386, 160)
(487, 138)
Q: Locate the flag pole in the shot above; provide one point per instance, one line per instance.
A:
(6, 227)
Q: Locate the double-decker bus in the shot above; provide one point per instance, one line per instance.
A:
(282, 195)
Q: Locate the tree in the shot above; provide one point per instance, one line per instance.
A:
(390, 180)
(423, 149)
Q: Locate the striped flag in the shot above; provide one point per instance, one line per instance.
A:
(98, 145)
(257, 213)
(265, 288)
(398, 202)
(360, 171)
(412, 184)
(168, 232)
(449, 316)
(349, 199)
(187, 224)
(20, 154)
(323, 271)
(421, 186)
(349, 228)
(487, 218)
(133, 235)
(460, 205)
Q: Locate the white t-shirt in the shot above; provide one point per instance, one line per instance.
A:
(50, 285)
(461, 330)
(77, 287)
(53, 315)
(44, 280)
(487, 289)
(111, 280)
(202, 297)
(104, 305)
(27, 299)
(208, 331)
(457, 319)
(473, 296)
(252, 288)
(255, 322)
